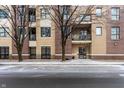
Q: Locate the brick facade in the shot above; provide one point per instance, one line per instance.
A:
(98, 47)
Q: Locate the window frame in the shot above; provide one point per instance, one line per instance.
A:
(33, 14)
(32, 55)
(5, 33)
(117, 34)
(30, 33)
(4, 16)
(97, 14)
(44, 29)
(45, 54)
(100, 31)
(4, 52)
(44, 14)
(117, 15)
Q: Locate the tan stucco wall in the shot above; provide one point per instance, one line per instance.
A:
(44, 41)
(99, 42)
(6, 41)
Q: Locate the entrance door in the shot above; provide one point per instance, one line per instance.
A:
(82, 53)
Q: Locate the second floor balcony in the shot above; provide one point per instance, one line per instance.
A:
(81, 37)
(77, 39)
(84, 19)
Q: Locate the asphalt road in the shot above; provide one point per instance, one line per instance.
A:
(64, 76)
(61, 83)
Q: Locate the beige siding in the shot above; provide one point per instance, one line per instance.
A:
(44, 41)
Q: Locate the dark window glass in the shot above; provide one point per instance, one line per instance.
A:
(21, 12)
(32, 52)
(65, 11)
(3, 14)
(32, 14)
(115, 33)
(45, 52)
(44, 13)
(21, 31)
(67, 31)
(32, 33)
(4, 52)
(3, 33)
(45, 31)
(82, 53)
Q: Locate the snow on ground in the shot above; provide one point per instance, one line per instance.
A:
(69, 62)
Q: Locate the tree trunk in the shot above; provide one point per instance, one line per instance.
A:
(20, 55)
(63, 52)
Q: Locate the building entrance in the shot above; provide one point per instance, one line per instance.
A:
(82, 53)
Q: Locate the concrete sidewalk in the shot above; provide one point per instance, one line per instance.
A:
(68, 62)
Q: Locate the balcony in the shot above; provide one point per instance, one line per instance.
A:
(85, 19)
(79, 39)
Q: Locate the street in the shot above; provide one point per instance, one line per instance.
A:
(63, 76)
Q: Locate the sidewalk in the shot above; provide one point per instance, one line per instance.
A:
(68, 62)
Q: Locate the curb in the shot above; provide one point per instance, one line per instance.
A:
(8, 63)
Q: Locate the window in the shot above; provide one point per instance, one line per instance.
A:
(32, 33)
(32, 52)
(21, 31)
(32, 14)
(3, 14)
(21, 13)
(45, 52)
(3, 33)
(45, 31)
(44, 13)
(115, 33)
(85, 17)
(115, 13)
(98, 11)
(83, 35)
(98, 31)
(4, 52)
(66, 30)
(65, 11)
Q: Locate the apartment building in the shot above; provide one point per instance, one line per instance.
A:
(99, 36)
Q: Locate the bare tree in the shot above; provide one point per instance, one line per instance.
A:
(66, 19)
(17, 17)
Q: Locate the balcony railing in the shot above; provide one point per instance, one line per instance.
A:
(81, 37)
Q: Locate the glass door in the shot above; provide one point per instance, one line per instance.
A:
(82, 53)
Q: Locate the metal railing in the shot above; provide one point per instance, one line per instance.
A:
(81, 37)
